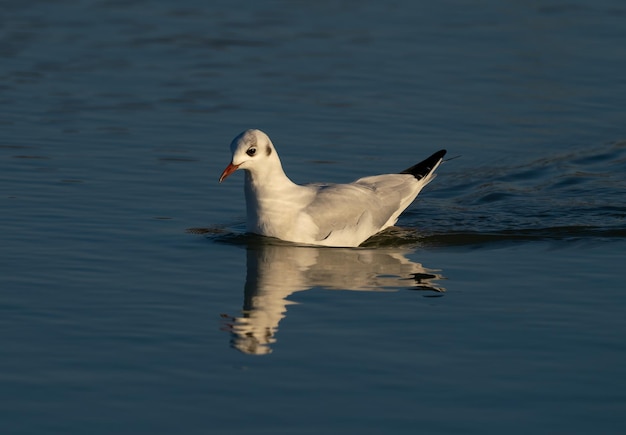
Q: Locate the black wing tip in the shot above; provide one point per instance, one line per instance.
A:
(423, 168)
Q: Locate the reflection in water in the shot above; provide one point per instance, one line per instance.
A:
(275, 271)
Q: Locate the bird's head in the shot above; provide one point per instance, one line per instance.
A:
(251, 150)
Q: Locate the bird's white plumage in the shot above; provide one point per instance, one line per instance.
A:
(329, 215)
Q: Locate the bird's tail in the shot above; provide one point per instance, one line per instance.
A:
(425, 170)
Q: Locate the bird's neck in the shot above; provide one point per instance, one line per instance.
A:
(267, 180)
(266, 194)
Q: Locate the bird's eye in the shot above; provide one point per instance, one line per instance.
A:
(251, 151)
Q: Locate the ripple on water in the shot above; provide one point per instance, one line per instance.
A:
(578, 194)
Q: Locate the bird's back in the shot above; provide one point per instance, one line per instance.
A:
(348, 214)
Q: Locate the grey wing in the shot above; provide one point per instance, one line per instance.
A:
(371, 201)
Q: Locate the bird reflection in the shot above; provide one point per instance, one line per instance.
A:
(275, 271)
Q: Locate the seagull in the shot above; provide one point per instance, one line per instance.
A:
(340, 215)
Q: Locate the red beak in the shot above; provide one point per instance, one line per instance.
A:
(229, 170)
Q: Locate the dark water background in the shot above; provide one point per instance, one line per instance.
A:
(131, 302)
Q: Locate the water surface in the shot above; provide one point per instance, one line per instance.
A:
(131, 301)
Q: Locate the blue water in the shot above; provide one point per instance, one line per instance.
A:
(132, 302)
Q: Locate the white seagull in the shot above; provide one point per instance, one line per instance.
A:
(320, 214)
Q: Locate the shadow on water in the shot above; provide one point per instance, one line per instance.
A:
(275, 270)
(473, 239)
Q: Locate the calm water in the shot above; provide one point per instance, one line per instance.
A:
(131, 301)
